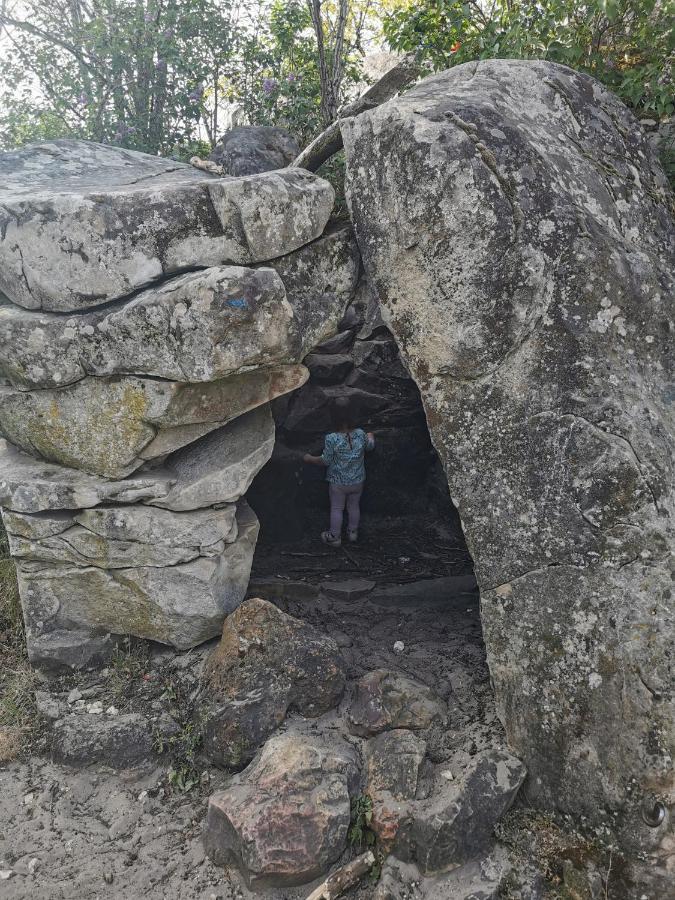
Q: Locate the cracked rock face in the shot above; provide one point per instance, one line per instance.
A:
(515, 223)
(181, 604)
(82, 224)
(111, 426)
(135, 395)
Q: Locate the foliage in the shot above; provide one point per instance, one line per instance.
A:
(128, 666)
(360, 833)
(130, 72)
(181, 746)
(164, 76)
(626, 44)
(278, 80)
(17, 681)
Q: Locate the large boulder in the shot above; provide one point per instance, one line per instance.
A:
(320, 280)
(118, 537)
(111, 426)
(182, 605)
(249, 149)
(216, 469)
(197, 327)
(82, 224)
(285, 818)
(457, 823)
(267, 664)
(515, 223)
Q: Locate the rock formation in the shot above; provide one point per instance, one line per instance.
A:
(139, 357)
(514, 222)
(250, 149)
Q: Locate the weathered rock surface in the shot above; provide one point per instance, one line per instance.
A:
(83, 224)
(250, 149)
(320, 280)
(30, 485)
(111, 426)
(483, 879)
(456, 824)
(181, 604)
(514, 221)
(217, 469)
(197, 327)
(266, 664)
(384, 699)
(117, 537)
(285, 819)
(393, 761)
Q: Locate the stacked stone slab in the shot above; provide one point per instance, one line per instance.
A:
(151, 314)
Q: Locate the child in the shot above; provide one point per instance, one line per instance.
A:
(343, 453)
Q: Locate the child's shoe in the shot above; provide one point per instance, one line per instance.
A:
(353, 536)
(328, 538)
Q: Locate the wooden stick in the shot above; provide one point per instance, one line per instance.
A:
(344, 878)
(207, 165)
(330, 140)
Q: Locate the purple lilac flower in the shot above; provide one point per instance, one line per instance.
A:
(149, 17)
(292, 77)
(269, 85)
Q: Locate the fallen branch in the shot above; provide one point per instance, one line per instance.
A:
(344, 878)
(207, 165)
(329, 141)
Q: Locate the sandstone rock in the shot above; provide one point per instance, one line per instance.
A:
(120, 537)
(69, 648)
(250, 149)
(182, 605)
(81, 739)
(320, 281)
(266, 664)
(385, 699)
(456, 824)
(131, 219)
(393, 760)
(525, 279)
(201, 326)
(285, 819)
(219, 467)
(30, 485)
(215, 470)
(110, 426)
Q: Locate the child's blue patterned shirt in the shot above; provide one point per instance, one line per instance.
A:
(343, 454)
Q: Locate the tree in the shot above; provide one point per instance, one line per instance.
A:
(627, 44)
(132, 72)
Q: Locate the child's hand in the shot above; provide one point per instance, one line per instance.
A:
(369, 434)
(307, 458)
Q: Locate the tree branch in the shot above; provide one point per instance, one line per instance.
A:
(329, 141)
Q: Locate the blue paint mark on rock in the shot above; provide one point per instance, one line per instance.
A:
(237, 303)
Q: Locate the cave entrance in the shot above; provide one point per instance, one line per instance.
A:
(404, 598)
(410, 529)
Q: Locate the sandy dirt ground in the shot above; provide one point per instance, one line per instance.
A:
(67, 834)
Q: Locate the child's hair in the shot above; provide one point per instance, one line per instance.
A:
(343, 414)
